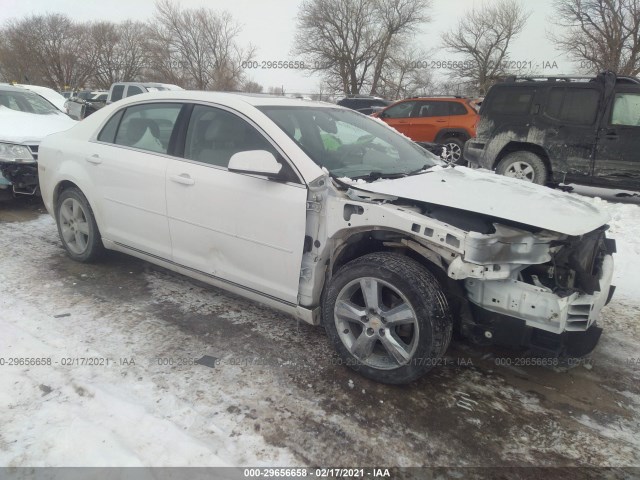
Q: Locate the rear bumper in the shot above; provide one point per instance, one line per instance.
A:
(474, 153)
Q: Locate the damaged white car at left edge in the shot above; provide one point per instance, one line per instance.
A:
(336, 219)
(25, 119)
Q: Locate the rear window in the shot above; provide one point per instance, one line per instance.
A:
(511, 101)
(457, 109)
(573, 105)
(116, 92)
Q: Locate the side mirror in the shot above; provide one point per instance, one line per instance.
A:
(257, 162)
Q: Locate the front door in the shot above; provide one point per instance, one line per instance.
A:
(244, 229)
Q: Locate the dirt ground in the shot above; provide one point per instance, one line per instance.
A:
(280, 380)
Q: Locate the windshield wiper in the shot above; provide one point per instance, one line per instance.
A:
(376, 175)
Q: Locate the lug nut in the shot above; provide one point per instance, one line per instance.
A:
(369, 331)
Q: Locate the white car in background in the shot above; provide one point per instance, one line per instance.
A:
(25, 119)
(336, 219)
(48, 94)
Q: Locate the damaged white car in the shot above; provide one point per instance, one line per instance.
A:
(25, 119)
(334, 218)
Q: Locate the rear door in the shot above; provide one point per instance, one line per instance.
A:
(428, 118)
(127, 165)
(618, 153)
(399, 116)
(569, 129)
(244, 229)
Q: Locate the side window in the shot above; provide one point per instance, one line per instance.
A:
(116, 92)
(133, 90)
(108, 133)
(626, 109)
(457, 109)
(401, 110)
(215, 135)
(511, 101)
(432, 109)
(148, 127)
(573, 105)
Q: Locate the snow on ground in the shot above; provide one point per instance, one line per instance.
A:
(277, 397)
(107, 414)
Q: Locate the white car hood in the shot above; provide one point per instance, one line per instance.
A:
(29, 128)
(495, 195)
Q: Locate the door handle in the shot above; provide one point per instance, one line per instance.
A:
(183, 179)
(95, 159)
(611, 135)
(441, 121)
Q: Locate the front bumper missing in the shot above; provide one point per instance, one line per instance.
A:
(539, 307)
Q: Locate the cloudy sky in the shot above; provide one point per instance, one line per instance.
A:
(270, 25)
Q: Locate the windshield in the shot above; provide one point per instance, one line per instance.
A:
(349, 144)
(26, 102)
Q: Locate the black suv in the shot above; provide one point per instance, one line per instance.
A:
(363, 103)
(562, 130)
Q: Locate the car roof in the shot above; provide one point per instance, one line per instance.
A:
(228, 98)
(11, 88)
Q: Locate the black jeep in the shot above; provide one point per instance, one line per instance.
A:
(562, 130)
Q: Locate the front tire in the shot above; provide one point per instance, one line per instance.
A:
(77, 226)
(387, 317)
(525, 166)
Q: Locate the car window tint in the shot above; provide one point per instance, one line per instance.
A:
(512, 101)
(116, 92)
(148, 127)
(133, 90)
(457, 109)
(215, 135)
(626, 110)
(572, 105)
(432, 109)
(400, 110)
(108, 133)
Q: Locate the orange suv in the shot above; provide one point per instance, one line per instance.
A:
(450, 121)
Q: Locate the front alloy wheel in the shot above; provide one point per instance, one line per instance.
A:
(387, 317)
(376, 323)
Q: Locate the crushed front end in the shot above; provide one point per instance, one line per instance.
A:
(550, 307)
(19, 168)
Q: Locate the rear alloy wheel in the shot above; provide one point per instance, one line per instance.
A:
(525, 166)
(77, 226)
(387, 317)
(453, 155)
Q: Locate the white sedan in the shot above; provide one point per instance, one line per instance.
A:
(336, 219)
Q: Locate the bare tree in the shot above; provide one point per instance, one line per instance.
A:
(600, 34)
(348, 41)
(120, 51)
(399, 18)
(482, 38)
(402, 76)
(197, 48)
(252, 87)
(49, 49)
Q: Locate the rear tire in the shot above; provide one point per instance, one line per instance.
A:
(455, 147)
(525, 166)
(77, 226)
(387, 317)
